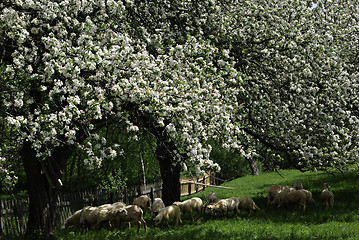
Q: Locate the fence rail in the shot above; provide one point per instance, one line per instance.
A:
(14, 212)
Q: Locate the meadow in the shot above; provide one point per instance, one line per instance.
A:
(341, 222)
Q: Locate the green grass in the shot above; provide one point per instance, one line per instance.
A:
(341, 222)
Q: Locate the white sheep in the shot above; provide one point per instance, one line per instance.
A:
(157, 205)
(168, 213)
(94, 216)
(208, 210)
(247, 203)
(133, 213)
(73, 220)
(119, 205)
(294, 198)
(105, 206)
(273, 191)
(190, 205)
(278, 198)
(327, 196)
(223, 206)
(308, 196)
(143, 202)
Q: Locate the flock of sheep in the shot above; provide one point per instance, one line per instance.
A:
(297, 196)
(112, 215)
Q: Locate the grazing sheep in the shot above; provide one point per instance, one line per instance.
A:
(294, 198)
(278, 198)
(223, 206)
(157, 205)
(119, 205)
(298, 185)
(208, 210)
(143, 202)
(211, 198)
(308, 196)
(190, 205)
(167, 213)
(94, 216)
(273, 191)
(105, 206)
(134, 213)
(73, 220)
(247, 203)
(327, 197)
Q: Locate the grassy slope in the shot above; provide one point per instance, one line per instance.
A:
(342, 222)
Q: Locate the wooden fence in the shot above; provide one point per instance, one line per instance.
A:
(14, 212)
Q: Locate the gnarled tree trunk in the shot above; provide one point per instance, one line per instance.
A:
(170, 173)
(43, 187)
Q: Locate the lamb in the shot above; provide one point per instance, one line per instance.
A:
(226, 205)
(327, 197)
(167, 213)
(94, 216)
(294, 198)
(73, 220)
(143, 202)
(298, 185)
(157, 205)
(134, 213)
(273, 191)
(247, 203)
(190, 205)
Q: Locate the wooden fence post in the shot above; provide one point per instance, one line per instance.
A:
(196, 185)
(204, 182)
(139, 191)
(151, 194)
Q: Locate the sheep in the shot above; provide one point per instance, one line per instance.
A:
(247, 203)
(278, 198)
(308, 196)
(327, 197)
(190, 205)
(94, 216)
(157, 205)
(211, 198)
(119, 205)
(294, 198)
(73, 220)
(298, 185)
(226, 205)
(133, 213)
(143, 202)
(273, 191)
(167, 213)
(208, 210)
(105, 206)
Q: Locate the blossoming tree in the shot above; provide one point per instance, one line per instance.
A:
(261, 77)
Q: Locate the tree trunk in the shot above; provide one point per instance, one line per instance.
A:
(43, 187)
(170, 173)
(253, 165)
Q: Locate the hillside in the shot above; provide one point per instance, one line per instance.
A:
(341, 222)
